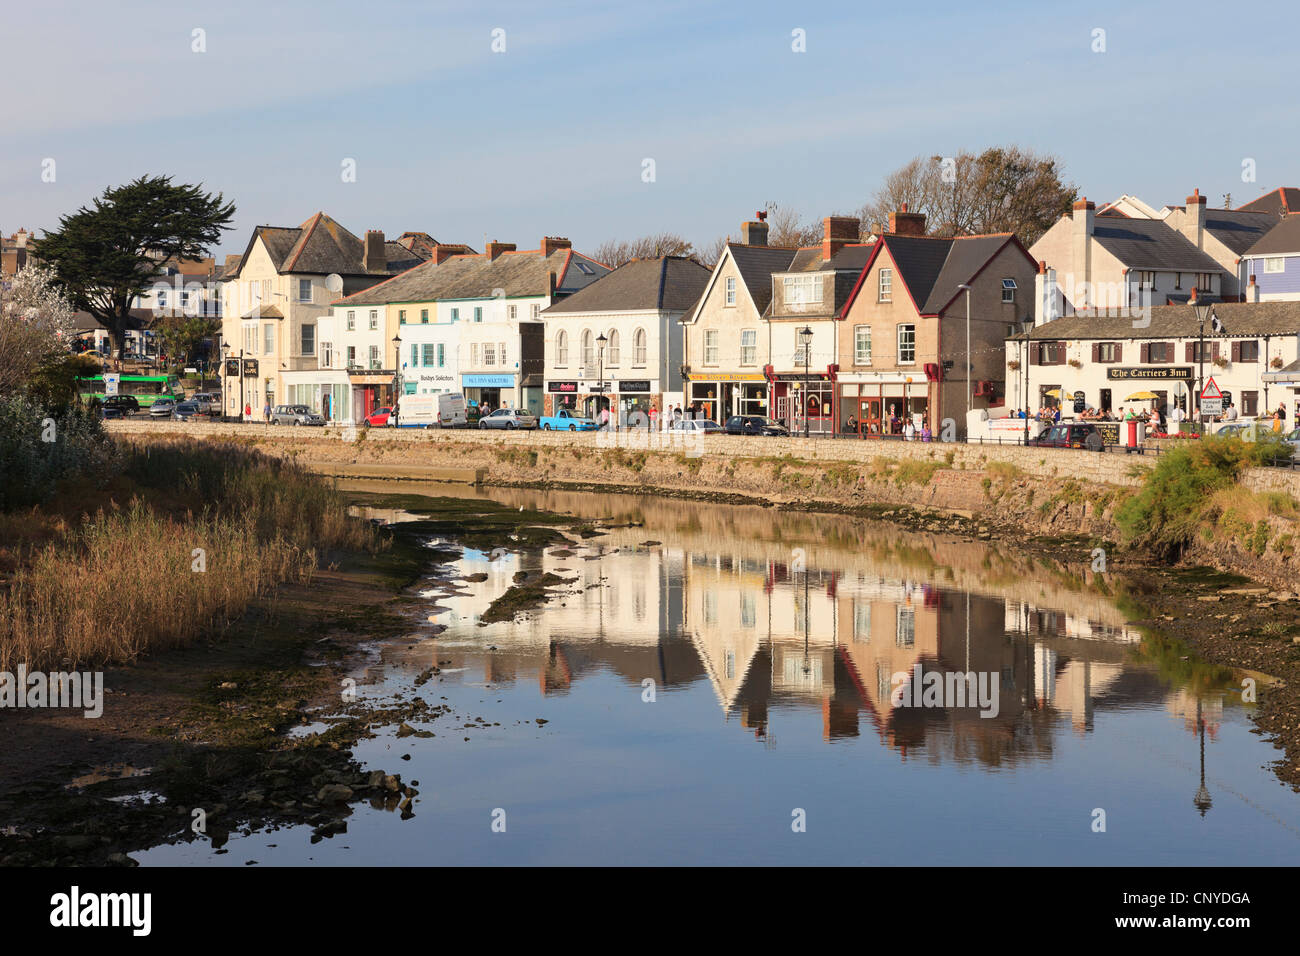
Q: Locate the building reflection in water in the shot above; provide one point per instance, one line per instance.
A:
(739, 598)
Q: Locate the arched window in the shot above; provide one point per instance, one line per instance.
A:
(611, 353)
(588, 353)
(561, 347)
(638, 347)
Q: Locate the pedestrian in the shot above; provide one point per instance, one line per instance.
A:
(266, 411)
(654, 418)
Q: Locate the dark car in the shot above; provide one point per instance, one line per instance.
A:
(128, 404)
(754, 425)
(1071, 435)
(184, 411)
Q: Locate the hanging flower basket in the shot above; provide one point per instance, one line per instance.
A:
(1277, 362)
(1013, 364)
(1075, 363)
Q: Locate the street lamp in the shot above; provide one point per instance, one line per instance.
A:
(1204, 311)
(969, 399)
(1028, 324)
(805, 339)
(225, 395)
(601, 342)
(397, 373)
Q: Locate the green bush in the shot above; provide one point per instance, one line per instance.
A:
(1176, 497)
(42, 445)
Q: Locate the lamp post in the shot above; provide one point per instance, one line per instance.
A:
(241, 386)
(225, 395)
(601, 342)
(805, 339)
(1028, 323)
(397, 374)
(969, 398)
(1204, 311)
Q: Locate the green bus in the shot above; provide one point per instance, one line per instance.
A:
(145, 388)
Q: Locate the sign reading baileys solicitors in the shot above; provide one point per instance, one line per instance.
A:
(1178, 373)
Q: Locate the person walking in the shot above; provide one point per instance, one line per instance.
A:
(654, 418)
(266, 412)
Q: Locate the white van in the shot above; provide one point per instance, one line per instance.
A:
(452, 410)
(417, 411)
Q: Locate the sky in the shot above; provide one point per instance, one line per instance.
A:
(550, 135)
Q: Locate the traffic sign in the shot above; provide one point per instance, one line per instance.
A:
(1211, 398)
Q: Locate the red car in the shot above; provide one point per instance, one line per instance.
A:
(379, 417)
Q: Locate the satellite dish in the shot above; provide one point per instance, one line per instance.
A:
(334, 282)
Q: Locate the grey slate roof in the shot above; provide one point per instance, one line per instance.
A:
(1151, 244)
(672, 283)
(1240, 319)
(756, 265)
(320, 246)
(1279, 202)
(1282, 239)
(966, 256)
(477, 277)
(1236, 229)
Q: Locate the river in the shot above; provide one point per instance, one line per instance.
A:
(723, 684)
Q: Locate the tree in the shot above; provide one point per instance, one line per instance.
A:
(617, 252)
(1003, 189)
(709, 255)
(108, 255)
(182, 334)
(786, 229)
(35, 326)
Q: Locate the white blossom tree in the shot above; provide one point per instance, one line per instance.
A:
(35, 325)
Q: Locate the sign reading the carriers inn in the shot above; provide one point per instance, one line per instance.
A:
(1178, 373)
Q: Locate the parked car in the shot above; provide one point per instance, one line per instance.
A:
(508, 418)
(129, 404)
(162, 406)
(209, 402)
(184, 411)
(567, 420)
(1071, 435)
(379, 417)
(754, 425)
(697, 426)
(295, 415)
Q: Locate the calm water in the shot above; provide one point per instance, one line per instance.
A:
(717, 674)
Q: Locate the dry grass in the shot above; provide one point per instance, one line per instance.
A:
(128, 579)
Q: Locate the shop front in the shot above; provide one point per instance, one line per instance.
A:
(876, 407)
(327, 392)
(718, 396)
(490, 391)
(805, 404)
(371, 390)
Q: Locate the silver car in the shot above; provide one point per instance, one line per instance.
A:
(295, 415)
(508, 418)
(162, 407)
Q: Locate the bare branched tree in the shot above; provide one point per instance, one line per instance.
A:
(616, 252)
(787, 229)
(1003, 189)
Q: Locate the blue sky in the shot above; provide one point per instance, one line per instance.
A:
(548, 138)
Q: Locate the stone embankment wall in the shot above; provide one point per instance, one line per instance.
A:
(1008, 491)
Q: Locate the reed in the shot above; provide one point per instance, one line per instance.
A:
(209, 530)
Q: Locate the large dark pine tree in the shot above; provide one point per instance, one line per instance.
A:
(107, 254)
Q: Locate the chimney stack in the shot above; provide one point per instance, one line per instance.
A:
(1194, 223)
(904, 223)
(1083, 219)
(1045, 307)
(552, 243)
(753, 233)
(374, 258)
(837, 232)
(444, 251)
(1252, 290)
(495, 249)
